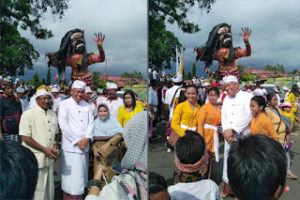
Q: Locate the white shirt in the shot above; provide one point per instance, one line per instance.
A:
(169, 96)
(236, 113)
(259, 92)
(113, 105)
(55, 104)
(24, 103)
(200, 190)
(76, 122)
(152, 98)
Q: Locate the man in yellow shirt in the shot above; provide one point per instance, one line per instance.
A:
(38, 127)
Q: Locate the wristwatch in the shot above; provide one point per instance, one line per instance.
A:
(94, 182)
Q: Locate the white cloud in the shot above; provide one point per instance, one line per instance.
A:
(124, 24)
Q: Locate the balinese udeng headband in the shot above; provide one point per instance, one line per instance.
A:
(192, 167)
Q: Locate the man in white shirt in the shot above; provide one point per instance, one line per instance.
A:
(152, 99)
(173, 93)
(112, 100)
(56, 99)
(21, 96)
(87, 97)
(76, 122)
(235, 119)
(259, 91)
(38, 127)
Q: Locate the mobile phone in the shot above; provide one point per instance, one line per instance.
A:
(117, 167)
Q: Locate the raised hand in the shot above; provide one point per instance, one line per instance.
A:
(99, 38)
(245, 33)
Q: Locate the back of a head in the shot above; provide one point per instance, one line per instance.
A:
(256, 167)
(157, 184)
(190, 148)
(18, 171)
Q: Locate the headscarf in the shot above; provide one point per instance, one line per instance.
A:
(136, 139)
(107, 127)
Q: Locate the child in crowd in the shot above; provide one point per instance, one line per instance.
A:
(260, 123)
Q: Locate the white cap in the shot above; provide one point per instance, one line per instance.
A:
(205, 84)
(78, 85)
(54, 89)
(230, 78)
(42, 92)
(285, 88)
(111, 86)
(20, 90)
(88, 90)
(177, 78)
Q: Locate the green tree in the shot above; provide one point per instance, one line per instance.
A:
(98, 83)
(163, 43)
(194, 70)
(295, 71)
(16, 52)
(36, 79)
(48, 80)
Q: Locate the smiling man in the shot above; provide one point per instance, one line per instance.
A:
(235, 119)
(76, 122)
(38, 127)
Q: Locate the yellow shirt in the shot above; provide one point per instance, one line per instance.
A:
(292, 99)
(276, 121)
(141, 104)
(263, 125)
(290, 115)
(42, 127)
(208, 115)
(124, 116)
(185, 116)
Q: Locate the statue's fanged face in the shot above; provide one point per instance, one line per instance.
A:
(224, 35)
(77, 40)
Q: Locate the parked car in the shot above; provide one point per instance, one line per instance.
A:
(120, 94)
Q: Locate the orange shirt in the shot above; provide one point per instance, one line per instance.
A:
(208, 115)
(263, 125)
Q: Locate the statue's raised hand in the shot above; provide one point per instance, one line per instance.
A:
(99, 38)
(245, 33)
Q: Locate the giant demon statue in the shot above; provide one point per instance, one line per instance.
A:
(72, 52)
(219, 47)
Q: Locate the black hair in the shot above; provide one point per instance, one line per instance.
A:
(212, 45)
(256, 167)
(190, 148)
(270, 96)
(66, 50)
(257, 84)
(260, 101)
(18, 171)
(157, 183)
(191, 86)
(295, 90)
(102, 105)
(214, 89)
(132, 94)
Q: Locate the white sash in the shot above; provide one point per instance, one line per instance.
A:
(188, 128)
(216, 139)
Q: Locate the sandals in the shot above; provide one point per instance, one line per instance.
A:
(292, 176)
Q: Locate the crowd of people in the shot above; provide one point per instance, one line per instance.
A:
(216, 111)
(112, 129)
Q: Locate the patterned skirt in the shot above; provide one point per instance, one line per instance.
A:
(85, 77)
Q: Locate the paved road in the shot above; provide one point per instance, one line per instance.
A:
(162, 162)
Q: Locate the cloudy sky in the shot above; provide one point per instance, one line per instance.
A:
(124, 23)
(275, 36)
